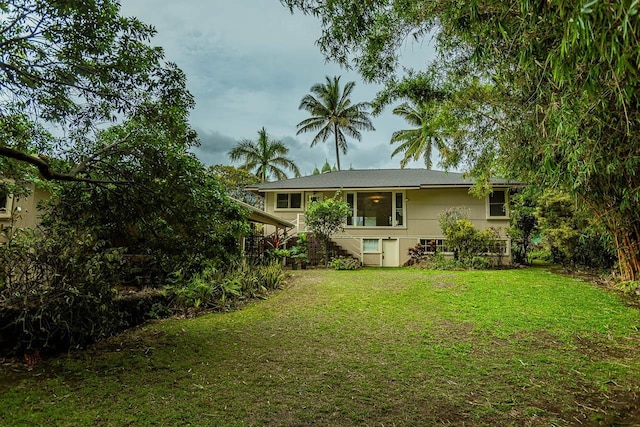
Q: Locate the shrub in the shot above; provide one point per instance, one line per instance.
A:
(221, 289)
(58, 287)
(437, 261)
(345, 263)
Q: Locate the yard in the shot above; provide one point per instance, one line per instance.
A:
(368, 347)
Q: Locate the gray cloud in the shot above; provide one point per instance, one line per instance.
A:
(248, 64)
(214, 147)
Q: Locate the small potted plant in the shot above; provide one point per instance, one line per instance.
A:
(299, 258)
(280, 254)
(301, 244)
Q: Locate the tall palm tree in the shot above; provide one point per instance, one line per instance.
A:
(333, 113)
(265, 157)
(420, 140)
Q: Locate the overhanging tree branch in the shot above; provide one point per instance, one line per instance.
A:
(45, 169)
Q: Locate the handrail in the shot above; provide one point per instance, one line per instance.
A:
(355, 247)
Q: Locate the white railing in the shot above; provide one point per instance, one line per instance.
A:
(301, 225)
(350, 243)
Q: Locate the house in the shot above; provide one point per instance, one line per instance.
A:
(392, 209)
(20, 212)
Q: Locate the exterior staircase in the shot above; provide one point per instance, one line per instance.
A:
(314, 250)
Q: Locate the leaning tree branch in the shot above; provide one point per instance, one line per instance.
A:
(82, 166)
(47, 172)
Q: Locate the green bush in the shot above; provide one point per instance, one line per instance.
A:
(469, 245)
(437, 261)
(345, 263)
(58, 287)
(220, 289)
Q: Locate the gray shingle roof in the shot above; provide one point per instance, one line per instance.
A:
(373, 178)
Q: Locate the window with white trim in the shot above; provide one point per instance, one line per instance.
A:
(5, 204)
(434, 245)
(289, 201)
(376, 208)
(314, 197)
(370, 245)
(498, 247)
(497, 204)
(431, 246)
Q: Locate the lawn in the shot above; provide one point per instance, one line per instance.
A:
(369, 347)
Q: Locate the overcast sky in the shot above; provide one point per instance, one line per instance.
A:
(248, 64)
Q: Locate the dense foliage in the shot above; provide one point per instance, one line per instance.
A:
(174, 212)
(544, 92)
(463, 239)
(234, 182)
(326, 218)
(220, 288)
(69, 68)
(57, 289)
(570, 236)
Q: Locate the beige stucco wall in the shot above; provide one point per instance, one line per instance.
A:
(423, 208)
(24, 210)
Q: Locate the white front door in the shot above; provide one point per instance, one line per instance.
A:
(390, 255)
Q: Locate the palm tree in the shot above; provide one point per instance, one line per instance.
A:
(332, 113)
(265, 157)
(420, 140)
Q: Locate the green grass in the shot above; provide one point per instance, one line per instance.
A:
(365, 347)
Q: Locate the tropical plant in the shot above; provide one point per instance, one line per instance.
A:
(220, 288)
(345, 263)
(265, 157)
(332, 113)
(325, 218)
(419, 141)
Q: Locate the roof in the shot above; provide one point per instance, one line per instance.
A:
(374, 178)
(258, 215)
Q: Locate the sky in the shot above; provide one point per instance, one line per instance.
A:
(248, 64)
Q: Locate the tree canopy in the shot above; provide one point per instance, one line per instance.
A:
(420, 140)
(265, 157)
(545, 92)
(68, 69)
(333, 113)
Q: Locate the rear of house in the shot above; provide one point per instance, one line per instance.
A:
(392, 209)
(20, 212)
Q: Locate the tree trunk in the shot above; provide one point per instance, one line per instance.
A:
(628, 249)
(325, 251)
(625, 230)
(335, 134)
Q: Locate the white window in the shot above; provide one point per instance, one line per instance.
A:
(497, 247)
(376, 209)
(5, 204)
(314, 197)
(371, 245)
(434, 245)
(289, 201)
(497, 204)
